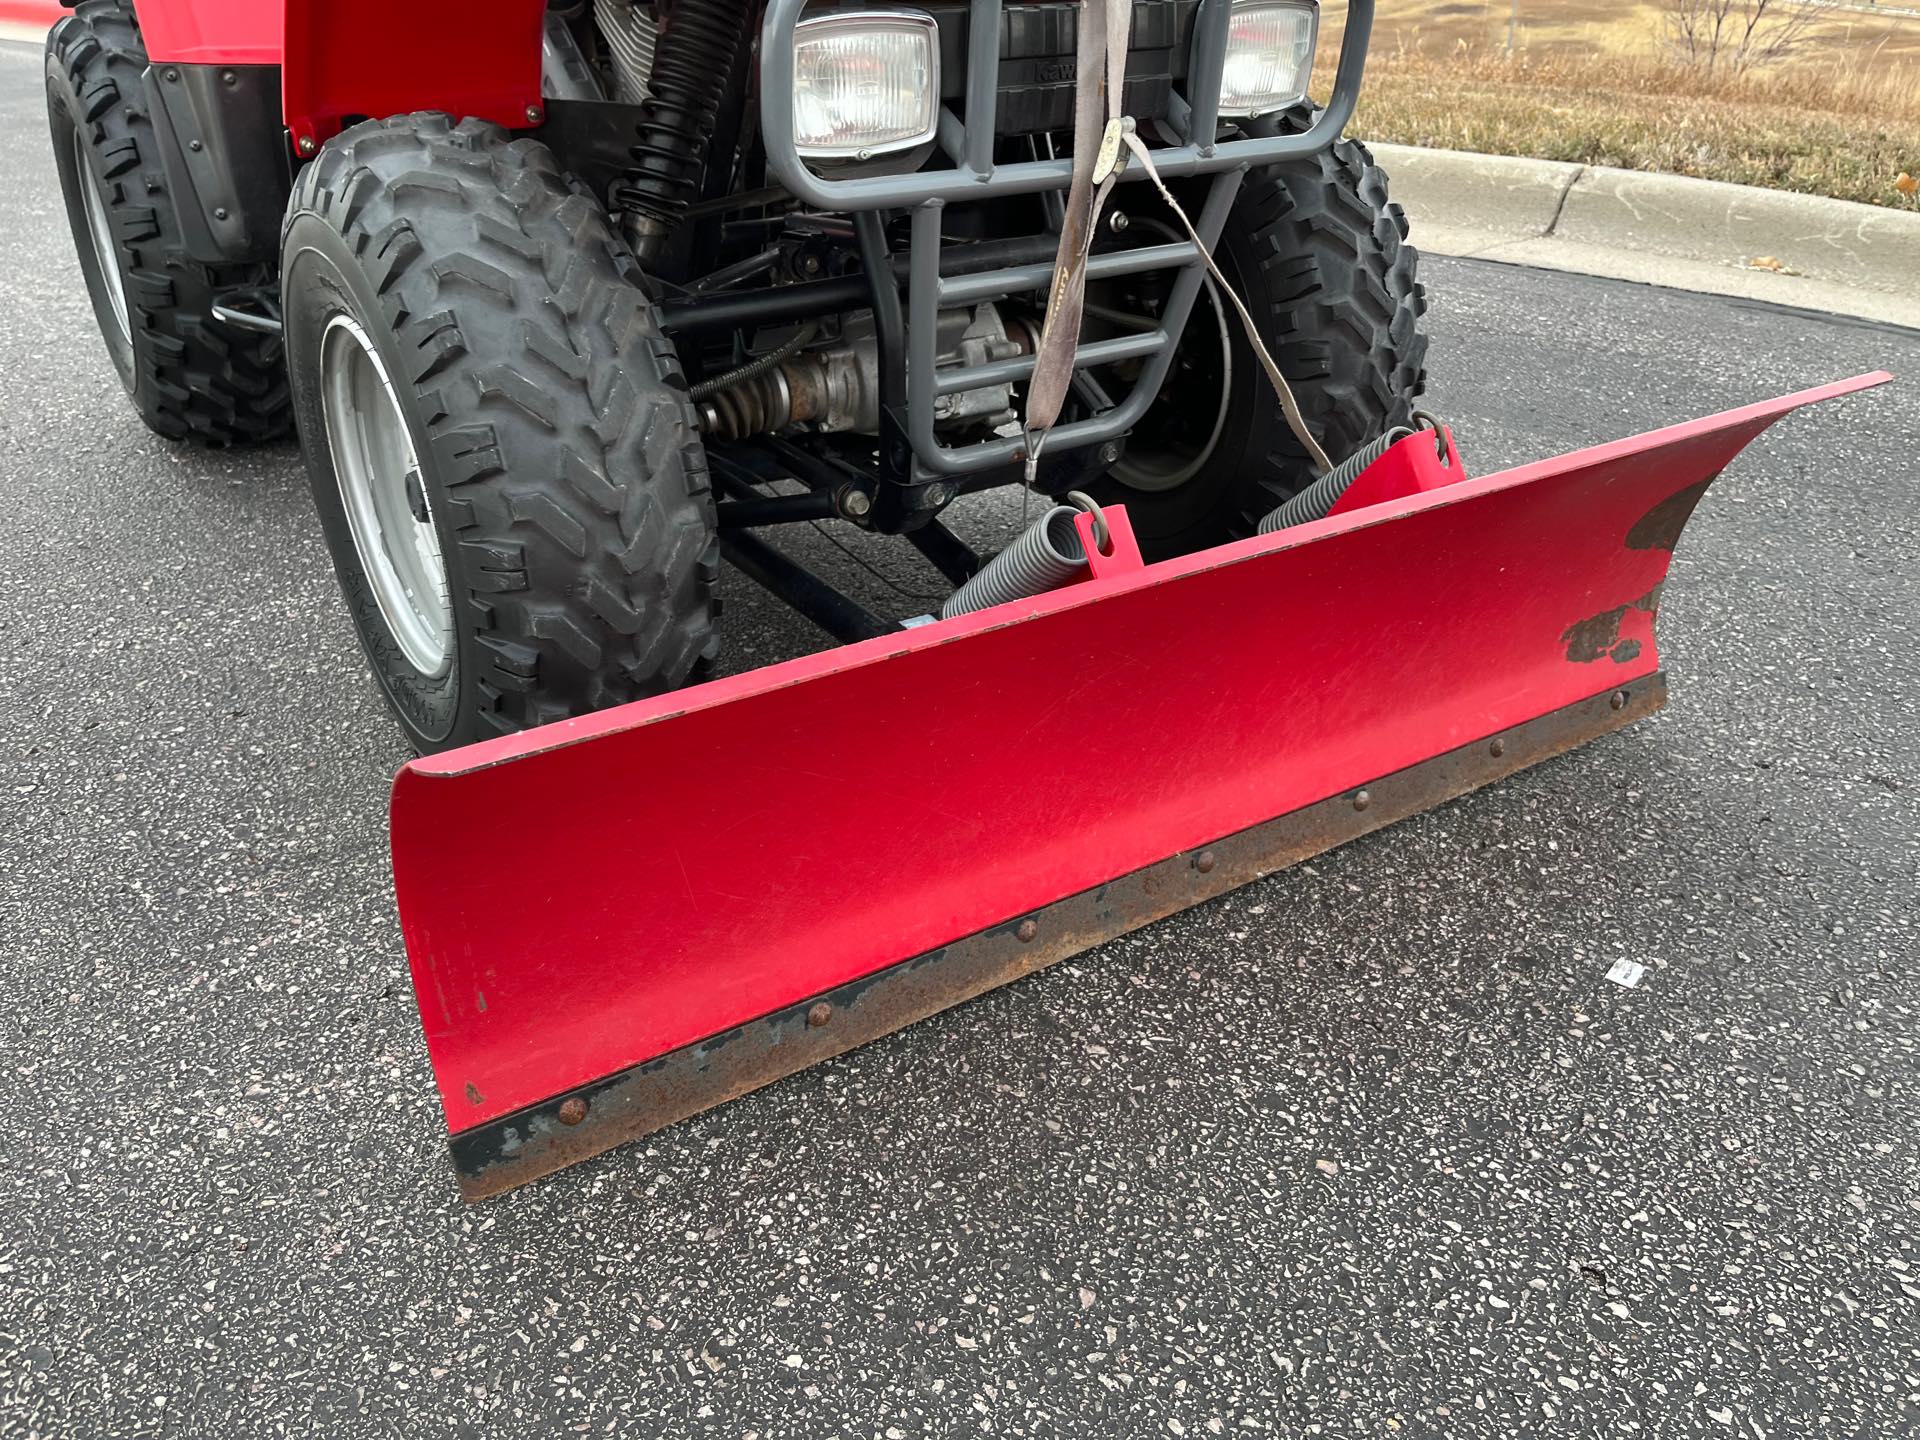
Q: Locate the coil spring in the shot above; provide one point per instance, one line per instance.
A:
(758, 405)
(692, 63)
(1046, 556)
(1317, 499)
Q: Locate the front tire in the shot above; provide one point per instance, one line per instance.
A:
(190, 377)
(500, 447)
(1317, 251)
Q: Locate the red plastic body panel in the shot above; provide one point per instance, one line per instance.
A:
(347, 59)
(371, 58)
(685, 864)
(212, 32)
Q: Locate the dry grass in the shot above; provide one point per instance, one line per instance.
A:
(1840, 118)
(1586, 28)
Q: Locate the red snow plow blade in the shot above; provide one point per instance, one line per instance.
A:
(719, 887)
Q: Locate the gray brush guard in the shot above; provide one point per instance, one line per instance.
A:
(971, 175)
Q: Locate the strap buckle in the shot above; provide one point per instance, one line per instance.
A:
(1111, 158)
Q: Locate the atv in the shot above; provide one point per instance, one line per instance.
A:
(547, 335)
(567, 303)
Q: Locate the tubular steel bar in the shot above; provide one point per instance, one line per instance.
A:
(983, 87)
(844, 619)
(947, 552)
(549, 1136)
(1207, 63)
(1097, 352)
(889, 329)
(774, 510)
(1015, 280)
(683, 315)
(924, 381)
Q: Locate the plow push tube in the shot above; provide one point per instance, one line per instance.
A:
(716, 888)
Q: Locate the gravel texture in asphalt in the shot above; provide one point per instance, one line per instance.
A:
(1372, 1146)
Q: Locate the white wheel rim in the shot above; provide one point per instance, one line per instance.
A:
(100, 236)
(385, 496)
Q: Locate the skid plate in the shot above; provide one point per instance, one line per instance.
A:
(715, 888)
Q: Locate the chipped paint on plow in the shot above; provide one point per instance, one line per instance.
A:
(1599, 637)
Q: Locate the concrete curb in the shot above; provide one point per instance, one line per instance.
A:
(1688, 234)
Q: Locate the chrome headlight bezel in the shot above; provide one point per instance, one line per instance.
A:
(832, 24)
(1250, 100)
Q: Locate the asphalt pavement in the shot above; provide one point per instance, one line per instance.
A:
(1371, 1147)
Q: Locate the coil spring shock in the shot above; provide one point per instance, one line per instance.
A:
(1318, 498)
(691, 66)
(1045, 556)
(1313, 502)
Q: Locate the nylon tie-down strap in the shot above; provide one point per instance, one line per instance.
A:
(1098, 159)
(1101, 73)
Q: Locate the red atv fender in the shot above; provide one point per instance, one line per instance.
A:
(360, 58)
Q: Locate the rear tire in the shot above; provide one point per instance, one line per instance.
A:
(190, 377)
(510, 425)
(1317, 251)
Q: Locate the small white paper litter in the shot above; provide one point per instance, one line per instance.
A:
(1627, 973)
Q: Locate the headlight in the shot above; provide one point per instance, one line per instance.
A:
(1269, 55)
(864, 83)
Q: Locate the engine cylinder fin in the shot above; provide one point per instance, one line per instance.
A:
(630, 34)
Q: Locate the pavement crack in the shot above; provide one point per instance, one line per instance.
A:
(1560, 201)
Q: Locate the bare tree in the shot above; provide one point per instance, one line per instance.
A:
(1739, 34)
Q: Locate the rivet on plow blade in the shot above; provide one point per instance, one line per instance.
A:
(989, 774)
